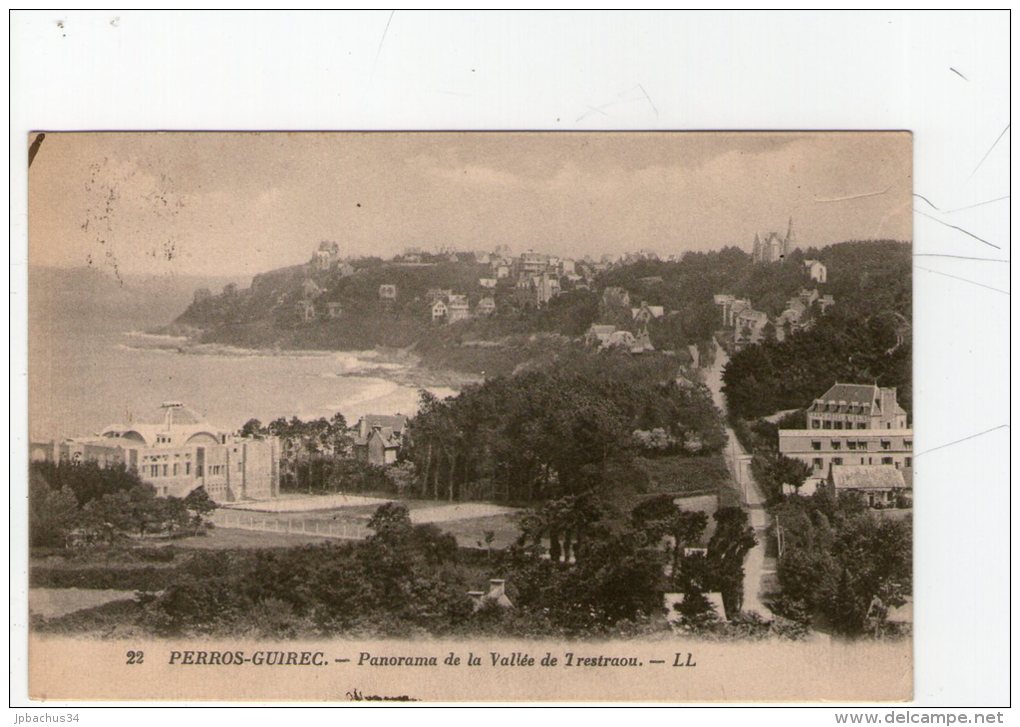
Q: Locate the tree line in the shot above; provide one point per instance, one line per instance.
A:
(772, 376)
(568, 427)
(560, 430)
(865, 338)
(843, 566)
(74, 504)
(406, 580)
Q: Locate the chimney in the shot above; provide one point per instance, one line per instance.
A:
(888, 400)
(477, 598)
(497, 593)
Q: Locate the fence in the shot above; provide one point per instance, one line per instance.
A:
(291, 524)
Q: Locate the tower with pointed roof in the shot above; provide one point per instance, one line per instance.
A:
(772, 247)
(790, 243)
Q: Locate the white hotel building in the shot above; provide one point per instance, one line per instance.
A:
(853, 425)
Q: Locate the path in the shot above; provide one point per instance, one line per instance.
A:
(753, 499)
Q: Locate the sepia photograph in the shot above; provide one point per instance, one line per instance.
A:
(506, 403)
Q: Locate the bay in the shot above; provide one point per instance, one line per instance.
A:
(91, 366)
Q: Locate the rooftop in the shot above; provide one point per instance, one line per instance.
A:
(855, 393)
(395, 422)
(867, 477)
(173, 423)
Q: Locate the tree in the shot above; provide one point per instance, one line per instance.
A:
(774, 472)
(729, 544)
(339, 440)
(198, 504)
(489, 537)
(661, 517)
(847, 610)
(790, 472)
(401, 477)
(108, 518)
(391, 522)
(565, 522)
(696, 611)
(52, 514)
(253, 429)
(876, 555)
(87, 479)
(807, 577)
(173, 514)
(841, 562)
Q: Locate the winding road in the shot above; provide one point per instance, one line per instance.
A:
(751, 496)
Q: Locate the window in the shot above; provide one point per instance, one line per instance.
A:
(886, 444)
(851, 445)
(199, 470)
(862, 425)
(839, 425)
(165, 469)
(861, 444)
(908, 461)
(175, 469)
(815, 445)
(187, 468)
(836, 444)
(908, 443)
(817, 463)
(826, 425)
(815, 424)
(887, 460)
(837, 460)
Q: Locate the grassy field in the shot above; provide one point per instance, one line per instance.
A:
(295, 502)
(470, 533)
(234, 539)
(467, 521)
(57, 602)
(685, 474)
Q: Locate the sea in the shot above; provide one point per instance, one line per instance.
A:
(92, 367)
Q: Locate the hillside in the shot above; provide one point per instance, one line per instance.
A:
(339, 307)
(865, 338)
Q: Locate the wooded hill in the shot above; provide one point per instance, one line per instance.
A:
(867, 279)
(865, 338)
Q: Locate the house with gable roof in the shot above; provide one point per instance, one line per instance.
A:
(877, 484)
(378, 437)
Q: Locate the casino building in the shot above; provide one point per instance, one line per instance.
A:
(176, 450)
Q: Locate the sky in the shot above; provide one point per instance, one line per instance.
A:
(244, 203)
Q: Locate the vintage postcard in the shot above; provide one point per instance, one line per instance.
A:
(533, 416)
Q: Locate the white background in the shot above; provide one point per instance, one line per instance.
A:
(944, 76)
